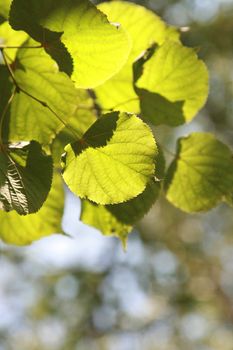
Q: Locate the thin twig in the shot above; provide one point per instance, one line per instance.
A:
(10, 70)
(4, 113)
(20, 47)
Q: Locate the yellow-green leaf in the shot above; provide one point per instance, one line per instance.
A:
(98, 48)
(175, 72)
(114, 160)
(38, 75)
(201, 174)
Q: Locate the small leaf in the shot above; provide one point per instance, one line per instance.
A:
(114, 160)
(25, 178)
(22, 230)
(175, 73)
(201, 174)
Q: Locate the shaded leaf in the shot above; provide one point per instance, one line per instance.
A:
(158, 110)
(25, 177)
(6, 88)
(22, 230)
(132, 211)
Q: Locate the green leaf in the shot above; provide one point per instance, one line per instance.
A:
(5, 7)
(113, 161)
(144, 28)
(38, 75)
(201, 174)
(98, 48)
(176, 73)
(10, 37)
(98, 53)
(25, 177)
(22, 230)
(99, 217)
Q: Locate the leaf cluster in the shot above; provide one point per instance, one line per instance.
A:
(80, 88)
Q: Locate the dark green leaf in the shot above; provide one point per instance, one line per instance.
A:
(25, 177)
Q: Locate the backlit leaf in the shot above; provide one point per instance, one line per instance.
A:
(201, 174)
(38, 75)
(144, 28)
(176, 73)
(113, 162)
(98, 48)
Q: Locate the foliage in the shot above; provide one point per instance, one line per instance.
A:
(79, 82)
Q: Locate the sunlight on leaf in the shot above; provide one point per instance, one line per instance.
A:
(175, 72)
(114, 160)
(201, 174)
(98, 48)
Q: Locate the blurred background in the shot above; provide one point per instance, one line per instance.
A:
(173, 288)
